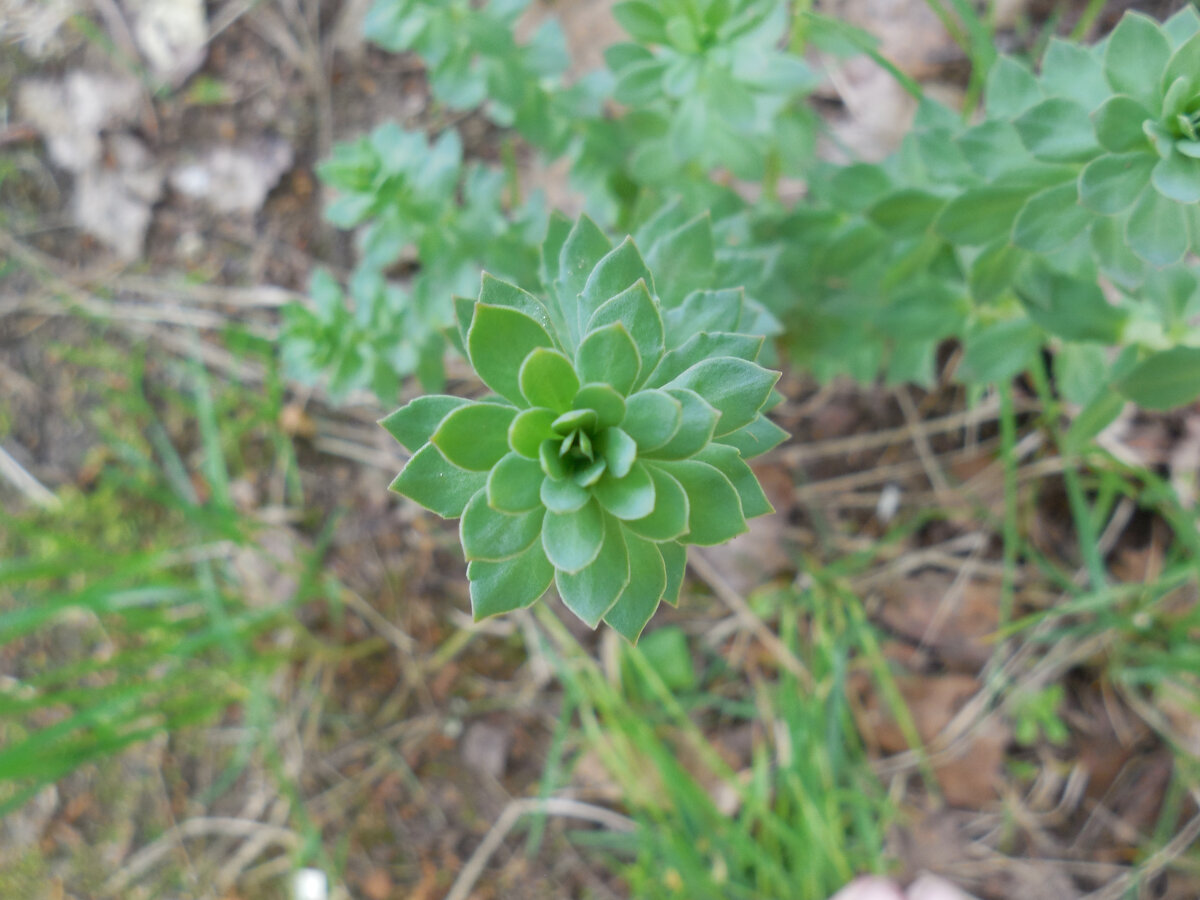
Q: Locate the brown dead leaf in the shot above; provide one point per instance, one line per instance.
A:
(953, 620)
(377, 885)
(973, 778)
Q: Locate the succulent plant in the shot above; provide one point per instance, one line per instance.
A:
(617, 434)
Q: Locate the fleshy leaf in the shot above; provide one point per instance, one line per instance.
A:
(618, 449)
(437, 484)
(514, 484)
(1157, 230)
(675, 557)
(585, 246)
(620, 269)
(635, 309)
(604, 401)
(1051, 219)
(610, 356)
(491, 535)
(700, 347)
(639, 600)
(1112, 183)
(1184, 63)
(756, 438)
(548, 379)
(695, 429)
(495, 292)
(1057, 130)
(630, 497)
(683, 260)
(501, 587)
(1118, 124)
(529, 428)
(735, 388)
(729, 463)
(1178, 178)
(475, 436)
(592, 591)
(652, 418)
(715, 510)
(1165, 380)
(563, 495)
(499, 341)
(669, 519)
(572, 539)
(414, 423)
(1134, 58)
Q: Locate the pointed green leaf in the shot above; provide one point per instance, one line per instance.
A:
(630, 497)
(591, 592)
(604, 401)
(572, 539)
(1184, 63)
(642, 20)
(414, 423)
(501, 587)
(1114, 255)
(550, 459)
(499, 341)
(474, 437)
(735, 388)
(1119, 125)
(563, 495)
(641, 596)
(514, 484)
(981, 215)
(714, 508)
(1051, 219)
(529, 428)
(589, 475)
(729, 463)
(585, 246)
(573, 420)
(1010, 90)
(618, 449)
(494, 292)
(1071, 70)
(1166, 380)
(1134, 57)
(636, 310)
(696, 427)
(1112, 183)
(684, 260)
(1182, 25)
(1157, 230)
(610, 356)
(906, 213)
(675, 558)
(668, 520)
(1071, 308)
(652, 418)
(1178, 178)
(493, 536)
(557, 230)
(620, 269)
(1057, 130)
(548, 379)
(437, 484)
(756, 438)
(999, 350)
(712, 311)
(700, 347)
